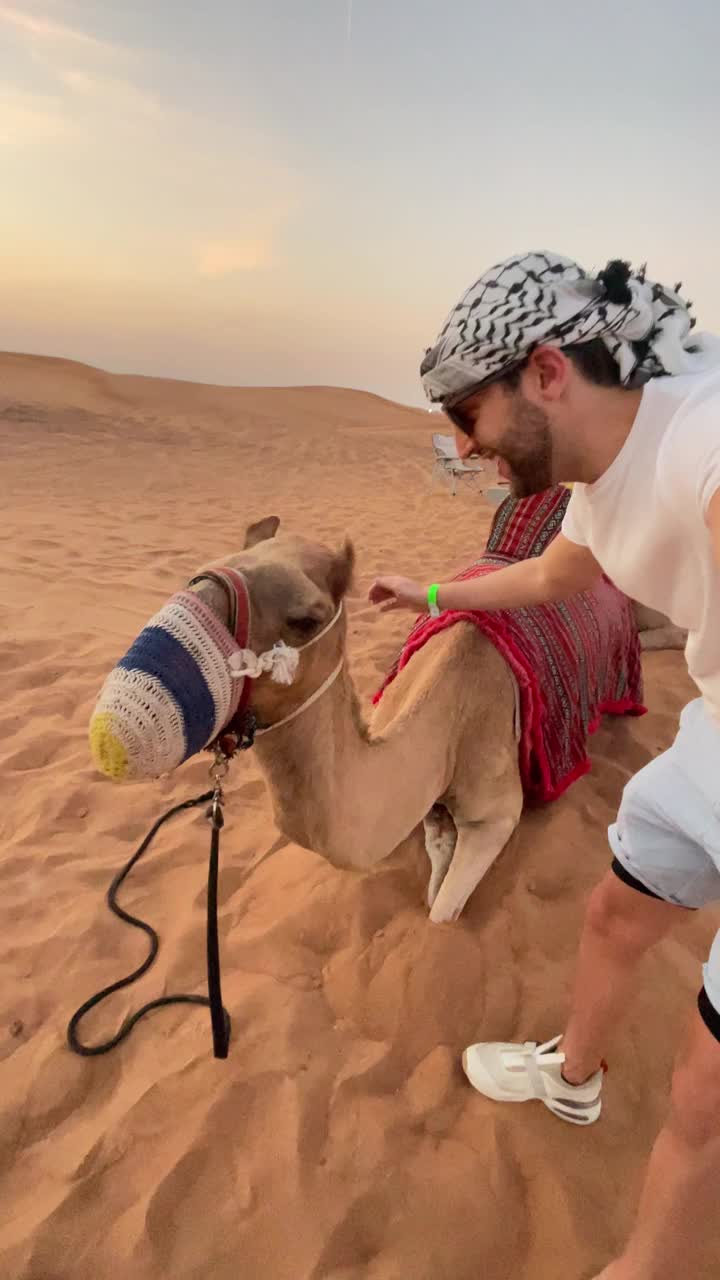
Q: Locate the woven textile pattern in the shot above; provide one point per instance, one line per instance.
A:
(573, 661)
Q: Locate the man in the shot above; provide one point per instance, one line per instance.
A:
(565, 377)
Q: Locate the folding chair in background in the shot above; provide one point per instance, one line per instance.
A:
(449, 465)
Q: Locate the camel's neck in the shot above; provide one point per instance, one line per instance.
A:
(342, 793)
(335, 788)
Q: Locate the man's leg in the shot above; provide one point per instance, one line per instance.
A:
(680, 1204)
(660, 861)
(621, 924)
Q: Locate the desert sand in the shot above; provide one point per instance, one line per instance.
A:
(339, 1141)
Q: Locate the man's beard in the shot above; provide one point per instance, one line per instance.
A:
(527, 448)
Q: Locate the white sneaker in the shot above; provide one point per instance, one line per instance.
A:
(523, 1072)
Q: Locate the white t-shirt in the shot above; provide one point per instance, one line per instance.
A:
(644, 519)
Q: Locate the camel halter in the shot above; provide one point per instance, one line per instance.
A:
(226, 666)
(281, 663)
(326, 684)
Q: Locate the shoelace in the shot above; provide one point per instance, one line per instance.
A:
(542, 1054)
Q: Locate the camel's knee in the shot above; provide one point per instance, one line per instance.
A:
(625, 918)
(478, 846)
(440, 841)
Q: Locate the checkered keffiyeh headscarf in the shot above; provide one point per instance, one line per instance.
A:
(542, 298)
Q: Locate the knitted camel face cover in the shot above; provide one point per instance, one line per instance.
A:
(542, 298)
(179, 685)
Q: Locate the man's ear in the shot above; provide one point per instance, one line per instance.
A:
(261, 531)
(341, 571)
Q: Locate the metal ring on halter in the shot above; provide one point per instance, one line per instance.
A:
(220, 767)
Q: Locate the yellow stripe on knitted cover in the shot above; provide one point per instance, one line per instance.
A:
(108, 752)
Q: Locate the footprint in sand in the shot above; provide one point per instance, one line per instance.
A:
(38, 678)
(46, 750)
(45, 544)
(15, 656)
(608, 779)
(197, 1179)
(74, 806)
(61, 1084)
(357, 1239)
(10, 725)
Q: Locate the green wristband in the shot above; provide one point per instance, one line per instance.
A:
(432, 599)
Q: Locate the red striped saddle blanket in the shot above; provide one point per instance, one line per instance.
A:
(573, 661)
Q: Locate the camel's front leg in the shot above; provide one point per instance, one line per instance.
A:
(440, 841)
(478, 845)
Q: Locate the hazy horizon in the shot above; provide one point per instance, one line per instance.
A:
(274, 194)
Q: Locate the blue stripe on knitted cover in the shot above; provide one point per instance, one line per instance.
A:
(159, 654)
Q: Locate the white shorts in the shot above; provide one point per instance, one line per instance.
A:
(666, 840)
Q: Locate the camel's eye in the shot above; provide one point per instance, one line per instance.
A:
(305, 625)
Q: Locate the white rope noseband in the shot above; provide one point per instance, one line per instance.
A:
(326, 684)
(282, 663)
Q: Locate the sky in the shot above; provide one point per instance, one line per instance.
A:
(284, 192)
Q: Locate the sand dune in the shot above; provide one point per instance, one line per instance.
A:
(339, 1141)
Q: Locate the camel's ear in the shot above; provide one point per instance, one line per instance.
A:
(341, 571)
(261, 531)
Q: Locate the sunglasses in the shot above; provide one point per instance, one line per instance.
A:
(455, 413)
(453, 407)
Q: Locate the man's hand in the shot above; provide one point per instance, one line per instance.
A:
(397, 593)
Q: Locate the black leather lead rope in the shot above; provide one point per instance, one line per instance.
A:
(213, 1000)
(219, 1016)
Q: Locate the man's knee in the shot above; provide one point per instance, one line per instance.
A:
(695, 1104)
(631, 921)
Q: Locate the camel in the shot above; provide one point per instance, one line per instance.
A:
(441, 748)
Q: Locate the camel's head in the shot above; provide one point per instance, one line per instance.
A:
(295, 586)
(177, 686)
